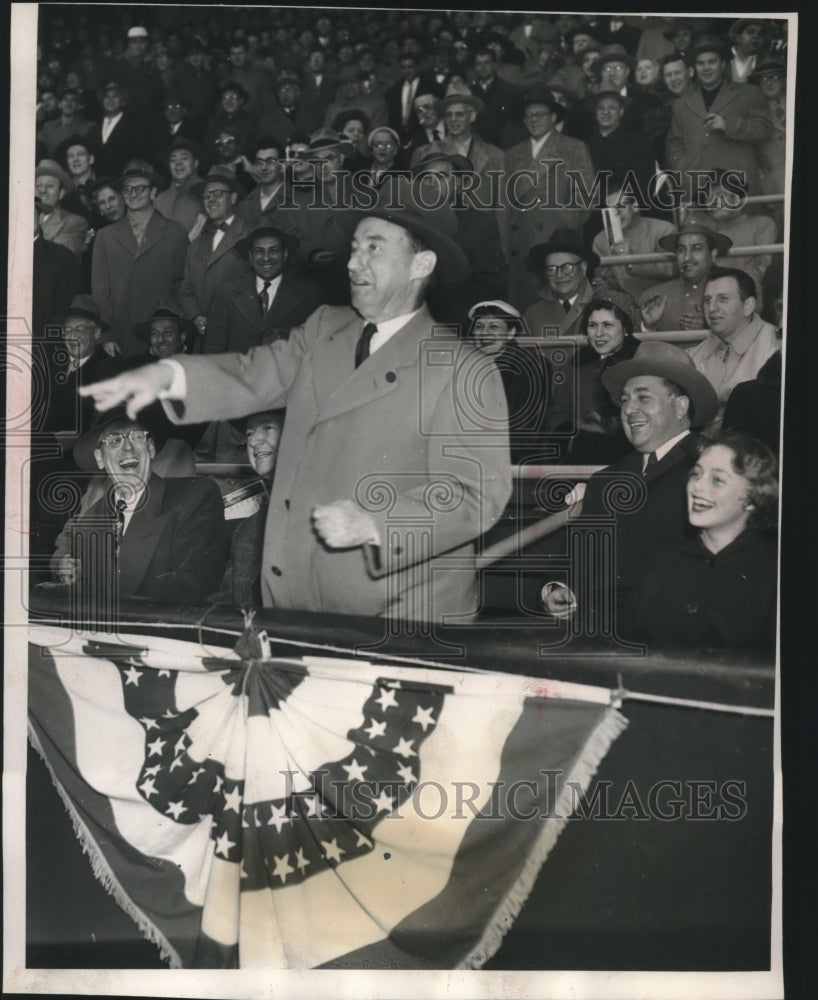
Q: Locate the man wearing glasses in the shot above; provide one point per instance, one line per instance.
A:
(137, 261)
(564, 262)
(163, 539)
(269, 172)
(210, 261)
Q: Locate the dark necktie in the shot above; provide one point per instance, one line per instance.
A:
(652, 460)
(119, 524)
(362, 347)
(566, 305)
(264, 297)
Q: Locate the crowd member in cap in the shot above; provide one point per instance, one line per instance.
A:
(535, 210)
(430, 127)
(640, 234)
(478, 235)
(230, 113)
(287, 111)
(662, 400)
(254, 81)
(386, 157)
(77, 153)
(325, 549)
(770, 76)
(118, 137)
(210, 261)
(739, 341)
(497, 329)
(500, 99)
(351, 95)
(563, 264)
(400, 97)
(269, 192)
(178, 202)
(718, 123)
(354, 126)
(168, 535)
(137, 261)
(230, 159)
(69, 123)
(719, 588)
(264, 305)
(459, 112)
(749, 38)
(165, 333)
(241, 583)
(678, 304)
(724, 211)
(136, 73)
(56, 224)
(581, 405)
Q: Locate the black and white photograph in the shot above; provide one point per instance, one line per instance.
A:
(393, 554)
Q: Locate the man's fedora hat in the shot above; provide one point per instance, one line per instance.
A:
(768, 65)
(721, 244)
(236, 87)
(328, 138)
(50, 168)
(563, 240)
(614, 53)
(654, 357)
(457, 161)
(86, 308)
(61, 152)
(141, 168)
(168, 308)
(289, 241)
(445, 103)
(542, 95)
(435, 228)
(182, 142)
(88, 442)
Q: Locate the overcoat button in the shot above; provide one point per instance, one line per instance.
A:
(391, 377)
(276, 570)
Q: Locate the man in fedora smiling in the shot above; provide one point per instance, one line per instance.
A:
(563, 262)
(51, 184)
(138, 260)
(375, 411)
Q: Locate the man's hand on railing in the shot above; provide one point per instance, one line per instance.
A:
(653, 309)
(558, 599)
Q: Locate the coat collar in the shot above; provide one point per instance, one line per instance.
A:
(144, 532)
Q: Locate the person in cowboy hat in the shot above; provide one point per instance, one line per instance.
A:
(563, 262)
(264, 305)
(678, 304)
(663, 401)
(553, 192)
(138, 260)
(717, 123)
(369, 408)
(168, 540)
(51, 184)
(209, 261)
(459, 113)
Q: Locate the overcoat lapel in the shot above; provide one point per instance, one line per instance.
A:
(144, 532)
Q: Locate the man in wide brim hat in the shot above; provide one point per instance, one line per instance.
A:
(769, 65)
(563, 240)
(614, 53)
(445, 103)
(541, 94)
(721, 244)
(167, 309)
(88, 443)
(85, 307)
(236, 87)
(50, 168)
(435, 228)
(670, 362)
(458, 162)
(289, 241)
(221, 174)
(328, 138)
(141, 168)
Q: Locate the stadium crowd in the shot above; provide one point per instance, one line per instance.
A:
(196, 173)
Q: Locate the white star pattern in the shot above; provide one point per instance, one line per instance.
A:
(163, 673)
(175, 809)
(283, 867)
(148, 788)
(314, 806)
(232, 800)
(132, 676)
(363, 840)
(153, 771)
(219, 782)
(278, 817)
(149, 724)
(355, 772)
(423, 717)
(387, 699)
(177, 762)
(223, 845)
(404, 748)
(199, 771)
(384, 801)
(180, 744)
(300, 861)
(375, 729)
(156, 747)
(332, 852)
(407, 774)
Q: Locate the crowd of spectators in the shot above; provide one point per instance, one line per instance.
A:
(194, 167)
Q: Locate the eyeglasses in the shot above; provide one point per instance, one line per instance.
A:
(383, 144)
(215, 195)
(535, 116)
(268, 161)
(136, 189)
(456, 114)
(70, 330)
(117, 438)
(567, 268)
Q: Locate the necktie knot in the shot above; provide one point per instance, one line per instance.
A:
(652, 460)
(566, 305)
(364, 341)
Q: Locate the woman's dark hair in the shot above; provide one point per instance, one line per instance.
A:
(353, 114)
(757, 464)
(600, 302)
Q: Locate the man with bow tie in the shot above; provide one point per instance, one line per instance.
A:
(210, 261)
(390, 466)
